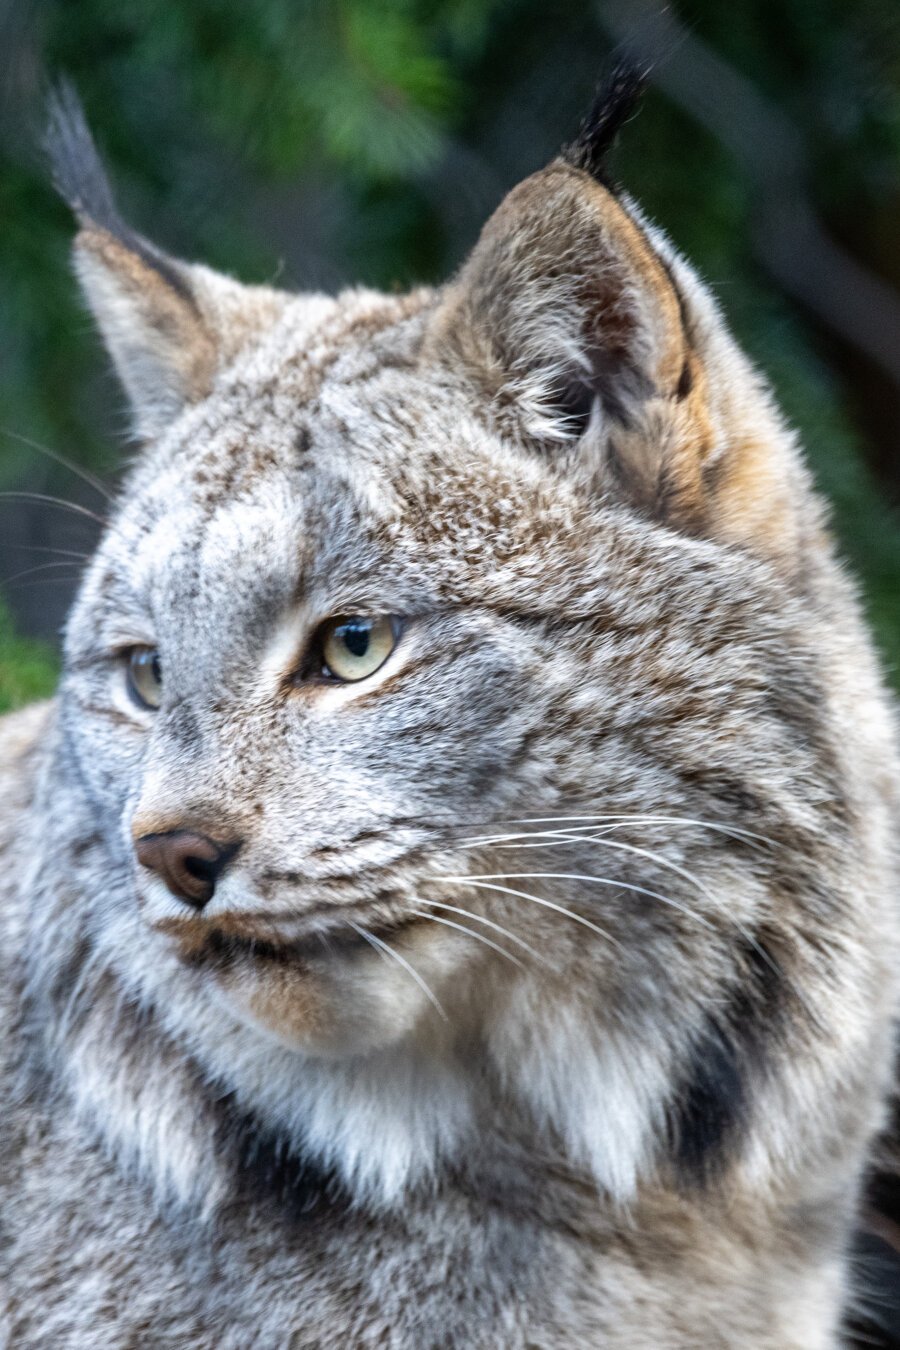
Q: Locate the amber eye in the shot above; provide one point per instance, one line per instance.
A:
(355, 646)
(143, 676)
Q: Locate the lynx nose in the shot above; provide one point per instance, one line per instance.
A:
(190, 864)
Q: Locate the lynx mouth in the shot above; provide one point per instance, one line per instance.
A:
(218, 948)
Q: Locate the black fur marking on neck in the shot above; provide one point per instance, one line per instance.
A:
(710, 1108)
(711, 1105)
(80, 179)
(78, 173)
(874, 1321)
(615, 101)
(269, 1172)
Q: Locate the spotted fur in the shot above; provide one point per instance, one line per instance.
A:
(548, 999)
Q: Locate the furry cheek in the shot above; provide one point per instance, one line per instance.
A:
(345, 1005)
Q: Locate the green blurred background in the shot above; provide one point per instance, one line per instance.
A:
(320, 144)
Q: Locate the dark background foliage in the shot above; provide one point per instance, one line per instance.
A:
(319, 144)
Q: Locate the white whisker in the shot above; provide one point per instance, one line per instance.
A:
(74, 507)
(76, 469)
(40, 567)
(581, 824)
(537, 900)
(738, 927)
(479, 937)
(598, 881)
(388, 953)
(489, 923)
(552, 839)
(46, 548)
(689, 876)
(477, 841)
(660, 861)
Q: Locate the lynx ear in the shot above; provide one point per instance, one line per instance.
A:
(575, 323)
(564, 313)
(571, 326)
(168, 325)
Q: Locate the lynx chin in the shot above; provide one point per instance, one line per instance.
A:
(452, 901)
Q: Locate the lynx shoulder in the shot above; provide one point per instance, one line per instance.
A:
(452, 900)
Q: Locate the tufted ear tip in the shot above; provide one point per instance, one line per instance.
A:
(617, 99)
(76, 169)
(143, 301)
(574, 325)
(168, 325)
(79, 176)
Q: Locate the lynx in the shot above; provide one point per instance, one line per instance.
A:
(452, 898)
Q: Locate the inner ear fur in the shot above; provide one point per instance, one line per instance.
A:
(561, 290)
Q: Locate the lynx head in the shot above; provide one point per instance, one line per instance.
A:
(437, 679)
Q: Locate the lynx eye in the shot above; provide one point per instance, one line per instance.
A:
(143, 676)
(355, 646)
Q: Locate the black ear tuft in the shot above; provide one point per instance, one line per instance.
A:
(76, 167)
(80, 179)
(614, 103)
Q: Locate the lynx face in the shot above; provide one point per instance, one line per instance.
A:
(521, 607)
(344, 801)
(451, 690)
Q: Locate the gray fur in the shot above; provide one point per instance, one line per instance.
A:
(633, 684)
